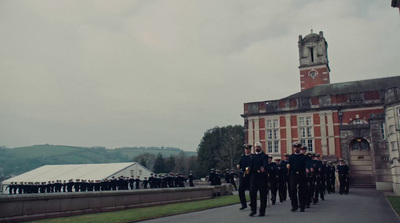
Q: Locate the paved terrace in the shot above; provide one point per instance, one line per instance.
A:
(360, 205)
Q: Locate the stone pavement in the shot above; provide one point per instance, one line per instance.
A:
(360, 205)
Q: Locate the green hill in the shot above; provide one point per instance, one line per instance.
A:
(166, 152)
(22, 159)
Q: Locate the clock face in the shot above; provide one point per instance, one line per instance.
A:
(312, 74)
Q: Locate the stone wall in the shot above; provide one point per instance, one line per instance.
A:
(16, 208)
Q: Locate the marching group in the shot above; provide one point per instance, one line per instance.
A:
(111, 184)
(215, 177)
(302, 175)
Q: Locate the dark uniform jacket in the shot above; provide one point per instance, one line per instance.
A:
(257, 161)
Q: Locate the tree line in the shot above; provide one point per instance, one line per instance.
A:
(220, 148)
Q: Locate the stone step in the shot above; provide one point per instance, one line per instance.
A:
(362, 185)
(363, 181)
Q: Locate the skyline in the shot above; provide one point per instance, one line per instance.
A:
(161, 73)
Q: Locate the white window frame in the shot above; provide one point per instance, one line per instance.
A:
(272, 135)
(306, 131)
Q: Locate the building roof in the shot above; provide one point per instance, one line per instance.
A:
(71, 171)
(311, 36)
(349, 87)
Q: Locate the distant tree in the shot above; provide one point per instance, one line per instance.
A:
(232, 146)
(159, 164)
(181, 163)
(170, 164)
(191, 165)
(219, 148)
(207, 151)
(143, 162)
(146, 159)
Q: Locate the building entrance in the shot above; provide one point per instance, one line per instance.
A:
(361, 164)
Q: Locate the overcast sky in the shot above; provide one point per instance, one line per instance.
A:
(161, 73)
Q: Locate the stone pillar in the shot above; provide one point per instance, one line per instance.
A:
(324, 136)
(331, 134)
(288, 134)
(256, 129)
(250, 132)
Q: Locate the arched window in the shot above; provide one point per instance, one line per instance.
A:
(359, 144)
(358, 122)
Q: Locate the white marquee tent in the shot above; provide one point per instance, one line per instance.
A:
(80, 171)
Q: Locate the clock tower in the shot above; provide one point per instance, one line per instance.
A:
(314, 64)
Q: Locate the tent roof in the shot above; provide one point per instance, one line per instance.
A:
(72, 171)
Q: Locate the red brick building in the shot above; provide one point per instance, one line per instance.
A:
(341, 120)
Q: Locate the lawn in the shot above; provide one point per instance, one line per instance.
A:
(138, 214)
(395, 202)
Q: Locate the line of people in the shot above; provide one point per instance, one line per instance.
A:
(215, 177)
(302, 175)
(111, 184)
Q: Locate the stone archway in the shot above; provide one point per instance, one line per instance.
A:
(361, 163)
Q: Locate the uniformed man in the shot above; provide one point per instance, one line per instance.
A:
(218, 177)
(272, 170)
(43, 188)
(244, 175)
(258, 180)
(331, 178)
(310, 185)
(10, 188)
(298, 179)
(151, 180)
(191, 179)
(77, 185)
(317, 188)
(319, 179)
(159, 181)
(211, 177)
(232, 178)
(281, 173)
(324, 175)
(343, 171)
(284, 163)
(181, 180)
(145, 182)
(227, 176)
(137, 182)
(131, 182)
(113, 183)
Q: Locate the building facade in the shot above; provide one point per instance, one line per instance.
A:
(357, 121)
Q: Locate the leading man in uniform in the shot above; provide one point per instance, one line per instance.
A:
(258, 180)
(297, 166)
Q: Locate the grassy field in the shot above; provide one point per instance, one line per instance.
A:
(139, 214)
(395, 202)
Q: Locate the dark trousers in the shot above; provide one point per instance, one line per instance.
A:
(333, 180)
(344, 183)
(244, 184)
(310, 189)
(298, 180)
(274, 189)
(258, 182)
(282, 188)
(319, 188)
(287, 181)
(323, 186)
